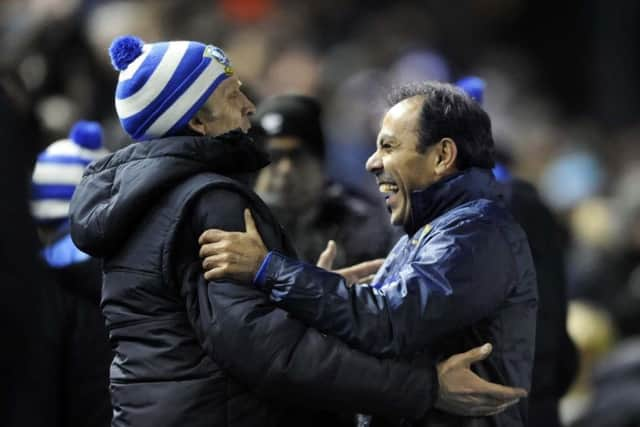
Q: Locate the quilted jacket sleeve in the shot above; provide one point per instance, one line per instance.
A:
(278, 356)
(458, 278)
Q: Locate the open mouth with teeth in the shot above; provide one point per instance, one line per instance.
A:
(392, 195)
(390, 191)
(388, 188)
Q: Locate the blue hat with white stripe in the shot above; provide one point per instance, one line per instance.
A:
(59, 170)
(473, 86)
(163, 85)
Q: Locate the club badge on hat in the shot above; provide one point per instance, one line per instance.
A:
(219, 55)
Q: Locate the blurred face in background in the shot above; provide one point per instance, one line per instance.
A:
(295, 177)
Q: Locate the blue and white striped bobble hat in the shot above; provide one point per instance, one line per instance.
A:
(59, 170)
(163, 85)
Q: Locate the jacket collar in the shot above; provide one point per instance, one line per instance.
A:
(118, 190)
(230, 153)
(448, 193)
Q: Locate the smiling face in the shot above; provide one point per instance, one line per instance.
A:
(398, 164)
(228, 108)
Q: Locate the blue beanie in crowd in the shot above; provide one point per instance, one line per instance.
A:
(59, 170)
(163, 85)
(473, 86)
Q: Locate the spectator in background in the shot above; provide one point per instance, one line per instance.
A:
(608, 274)
(555, 363)
(556, 359)
(615, 389)
(296, 188)
(86, 353)
(594, 333)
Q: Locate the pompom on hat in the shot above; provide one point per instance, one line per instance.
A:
(59, 170)
(162, 85)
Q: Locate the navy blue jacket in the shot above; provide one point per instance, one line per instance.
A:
(462, 276)
(192, 353)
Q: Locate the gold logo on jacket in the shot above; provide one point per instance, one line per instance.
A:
(427, 228)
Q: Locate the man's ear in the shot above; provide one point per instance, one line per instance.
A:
(446, 156)
(197, 125)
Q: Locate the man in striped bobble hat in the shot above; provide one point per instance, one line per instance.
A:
(191, 351)
(168, 88)
(86, 355)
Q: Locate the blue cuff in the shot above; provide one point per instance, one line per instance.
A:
(260, 280)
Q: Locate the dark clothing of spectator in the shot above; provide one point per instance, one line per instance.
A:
(29, 307)
(556, 359)
(359, 227)
(86, 355)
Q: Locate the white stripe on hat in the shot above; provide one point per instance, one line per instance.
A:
(50, 209)
(135, 103)
(58, 173)
(180, 107)
(133, 67)
(67, 147)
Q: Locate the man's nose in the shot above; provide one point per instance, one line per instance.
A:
(374, 163)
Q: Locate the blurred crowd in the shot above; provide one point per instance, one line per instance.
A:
(562, 91)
